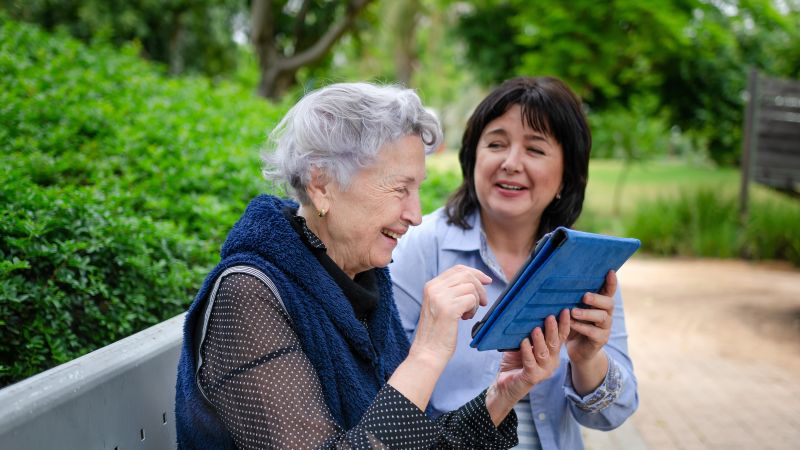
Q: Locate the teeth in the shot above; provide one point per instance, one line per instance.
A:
(513, 188)
(391, 234)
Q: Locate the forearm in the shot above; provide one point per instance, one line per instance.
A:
(416, 376)
(588, 375)
(498, 405)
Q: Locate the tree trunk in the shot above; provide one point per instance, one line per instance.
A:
(278, 70)
(404, 18)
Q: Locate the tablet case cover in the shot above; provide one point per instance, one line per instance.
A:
(565, 265)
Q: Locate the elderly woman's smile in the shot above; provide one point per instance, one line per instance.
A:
(364, 219)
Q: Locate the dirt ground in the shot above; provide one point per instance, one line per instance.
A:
(716, 350)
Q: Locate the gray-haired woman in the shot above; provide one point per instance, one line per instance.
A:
(294, 340)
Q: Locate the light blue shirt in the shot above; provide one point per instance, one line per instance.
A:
(556, 409)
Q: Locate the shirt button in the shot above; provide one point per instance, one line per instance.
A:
(542, 416)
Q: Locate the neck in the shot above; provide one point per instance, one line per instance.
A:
(317, 225)
(511, 242)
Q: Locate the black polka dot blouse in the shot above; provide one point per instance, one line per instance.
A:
(265, 390)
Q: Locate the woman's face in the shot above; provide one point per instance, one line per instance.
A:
(382, 202)
(518, 171)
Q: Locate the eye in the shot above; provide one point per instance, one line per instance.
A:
(535, 150)
(496, 145)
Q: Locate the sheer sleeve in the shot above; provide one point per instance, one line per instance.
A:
(267, 393)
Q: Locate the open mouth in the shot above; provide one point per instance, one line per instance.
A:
(510, 187)
(391, 234)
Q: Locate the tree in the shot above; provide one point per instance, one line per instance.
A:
(289, 35)
(186, 35)
(692, 55)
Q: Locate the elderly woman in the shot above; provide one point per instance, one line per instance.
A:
(525, 160)
(294, 340)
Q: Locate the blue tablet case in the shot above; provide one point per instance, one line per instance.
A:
(565, 265)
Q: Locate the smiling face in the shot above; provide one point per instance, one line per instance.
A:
(365, 220)
(518, 171)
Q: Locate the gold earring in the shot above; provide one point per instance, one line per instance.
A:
(321, 212)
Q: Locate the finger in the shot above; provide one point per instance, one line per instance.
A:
(592, 332)
(564, 325)
(597, 317)
(551, 334)
(610, 286)
(598, 301)
(461, 269)
(540, 351)
(526, 350)
(465, 305)
(476, 278)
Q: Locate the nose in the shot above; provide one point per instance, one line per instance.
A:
(412, 212)
(512, 162)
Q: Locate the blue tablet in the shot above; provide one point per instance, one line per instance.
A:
(564, 266)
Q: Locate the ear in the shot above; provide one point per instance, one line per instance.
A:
(319, 189)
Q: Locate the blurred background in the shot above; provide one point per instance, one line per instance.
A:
(130, 131)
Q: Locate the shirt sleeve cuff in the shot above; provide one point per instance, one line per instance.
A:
(600, 398)
(395, 421)
(502, 436)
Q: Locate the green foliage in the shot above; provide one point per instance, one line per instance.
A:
(186, 35)
(704, 222)
(440, 183)
(696, 223)
(78, 273)
(691, 56)
(119, 185)
(772, 230)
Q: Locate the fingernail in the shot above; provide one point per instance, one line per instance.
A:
(577, 312)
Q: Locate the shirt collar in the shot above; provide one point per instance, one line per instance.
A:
(459, 239)
(472, 240)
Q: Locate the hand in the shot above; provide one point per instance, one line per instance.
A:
(591, 327)
(536, 360)
(453, 295)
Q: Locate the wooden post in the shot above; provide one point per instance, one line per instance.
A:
(748, 143)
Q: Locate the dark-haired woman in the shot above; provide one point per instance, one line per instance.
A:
(524, 160)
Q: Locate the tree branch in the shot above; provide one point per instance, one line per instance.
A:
(326, 41)
(299, 24)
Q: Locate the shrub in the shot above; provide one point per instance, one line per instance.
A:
(119, 185)
(704, 222)
(79, 273)
(772, 230)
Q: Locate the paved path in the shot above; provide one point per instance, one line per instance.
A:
(716, 349)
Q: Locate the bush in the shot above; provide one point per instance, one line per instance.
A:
(772, 230)
(437, 187)
(119, 185)
(704, 222)
(79, 273)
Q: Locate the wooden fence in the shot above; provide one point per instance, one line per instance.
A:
(771, 144)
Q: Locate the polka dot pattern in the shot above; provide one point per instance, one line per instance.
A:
(265, 390)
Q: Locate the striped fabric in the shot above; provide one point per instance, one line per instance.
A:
(526, 431)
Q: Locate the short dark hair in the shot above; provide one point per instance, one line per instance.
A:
(549, 107)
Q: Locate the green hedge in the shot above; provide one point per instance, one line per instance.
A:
(705, 222)
(119, 184)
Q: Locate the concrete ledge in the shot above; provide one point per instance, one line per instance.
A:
(119, 396)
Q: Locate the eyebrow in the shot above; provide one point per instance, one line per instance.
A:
(528, 137)
(408, 179)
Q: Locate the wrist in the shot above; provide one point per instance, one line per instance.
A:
(588, 375)
(498, 403)
(432, 359)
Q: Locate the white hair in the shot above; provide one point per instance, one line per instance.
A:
(340, 128)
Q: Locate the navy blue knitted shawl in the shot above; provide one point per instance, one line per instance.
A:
(351, 363)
